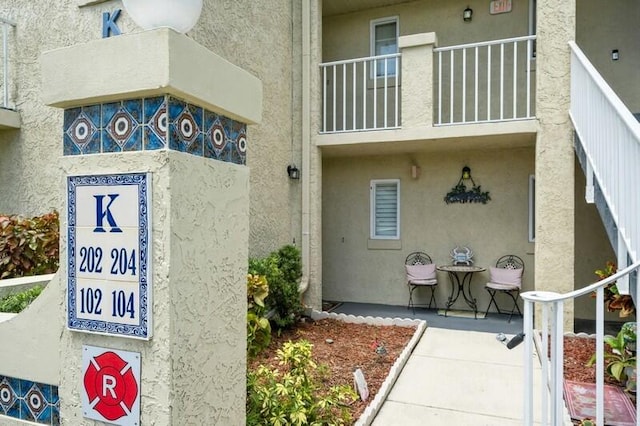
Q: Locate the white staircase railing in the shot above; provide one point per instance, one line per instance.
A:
(485, 82)
(610, 137)
(551, 336)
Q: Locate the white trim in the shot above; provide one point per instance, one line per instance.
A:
(84, 3)
(372, 209)
(372, 40)
(532, 209)
(533, 19)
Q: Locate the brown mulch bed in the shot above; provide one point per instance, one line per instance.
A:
(577, 352)
(352, 347)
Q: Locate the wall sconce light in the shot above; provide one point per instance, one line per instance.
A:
(293, 171)
(467, 14)
(466, 173)
(615, 55)
(415, 171)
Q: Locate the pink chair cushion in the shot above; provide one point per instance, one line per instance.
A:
(508, 277)
(421, 272)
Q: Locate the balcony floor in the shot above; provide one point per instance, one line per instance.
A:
(510, 134)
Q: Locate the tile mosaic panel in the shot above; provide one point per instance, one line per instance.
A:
(30, 401)
(161, 122)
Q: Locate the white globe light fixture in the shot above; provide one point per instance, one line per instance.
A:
(179, 15)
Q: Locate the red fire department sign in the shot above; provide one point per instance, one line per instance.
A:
(111, 385)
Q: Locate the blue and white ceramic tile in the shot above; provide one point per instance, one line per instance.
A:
(155, 123)
(161, 122)
(29, 401)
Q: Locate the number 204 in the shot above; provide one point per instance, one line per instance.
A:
(122, 262)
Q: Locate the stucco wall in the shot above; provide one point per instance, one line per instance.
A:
(555, 155)
(347, 36)
(354, 272)
(593, 249)
(601, 28)
(28, 157)
(208, 290)
(194, 365)
(31, 340)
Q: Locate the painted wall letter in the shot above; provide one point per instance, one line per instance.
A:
(109, 26)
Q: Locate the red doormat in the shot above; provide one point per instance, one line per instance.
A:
(581, 402)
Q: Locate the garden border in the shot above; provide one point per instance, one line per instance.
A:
(374, 406)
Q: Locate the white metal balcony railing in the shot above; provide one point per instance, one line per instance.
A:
(485, 82)
(610, 138)
(473, 83)
(6, 23)
(361, 94)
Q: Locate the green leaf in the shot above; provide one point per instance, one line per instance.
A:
(617, 369)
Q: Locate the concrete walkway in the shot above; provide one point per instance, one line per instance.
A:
(456, 377)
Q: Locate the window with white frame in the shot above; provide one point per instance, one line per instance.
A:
(384, 41)
(385, 209)
(532, 208)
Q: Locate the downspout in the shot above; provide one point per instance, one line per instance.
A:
(306, 141)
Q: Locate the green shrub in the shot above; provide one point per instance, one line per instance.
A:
(15, 303)
(258, 327)
(290, 263)
(619, 357)
(282, 270)
(29, 246)
(292, 397)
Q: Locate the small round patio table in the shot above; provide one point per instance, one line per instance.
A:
(460, 277)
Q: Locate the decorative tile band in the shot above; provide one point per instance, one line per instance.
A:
(161, 122)
(30, 401)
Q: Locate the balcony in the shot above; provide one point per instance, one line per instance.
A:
(9, 117)
(483, 91)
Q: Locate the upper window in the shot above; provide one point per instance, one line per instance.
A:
(384, 41)
(385, 209)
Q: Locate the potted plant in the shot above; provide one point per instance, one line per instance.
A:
(617, 361)
(629, 334)
(613, 300)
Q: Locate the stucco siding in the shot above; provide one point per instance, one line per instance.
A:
(347, 36)
(593, 249)
(602, 28)
(352, 271)
(555, 157)
(29, 156)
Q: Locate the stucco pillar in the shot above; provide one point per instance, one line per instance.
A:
(417, 79)
(158, 103)
(555, 233)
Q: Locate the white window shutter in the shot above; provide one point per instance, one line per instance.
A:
(385, 209)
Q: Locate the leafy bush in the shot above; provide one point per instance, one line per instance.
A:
(282, 270)
(15, 303)
(290, 263)
(29, 246)
(293, 398)
(619, 358)
(613, 300)
(258, 327)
